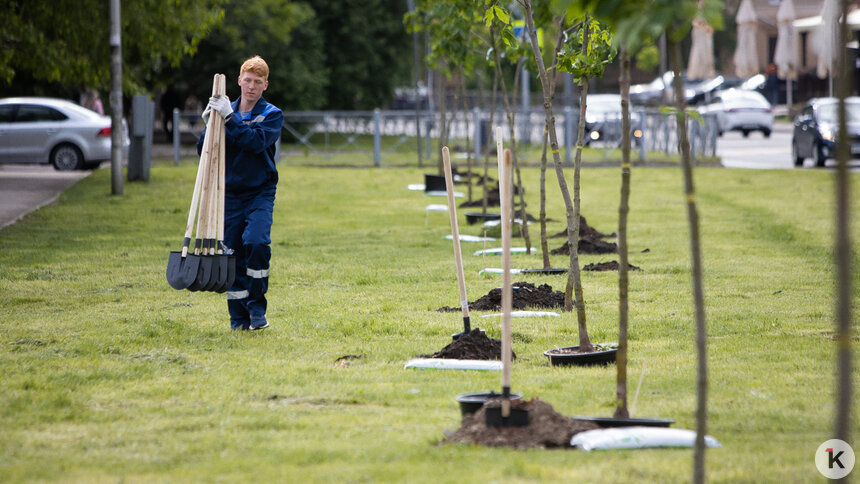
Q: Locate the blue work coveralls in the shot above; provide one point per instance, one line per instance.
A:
(251, 178)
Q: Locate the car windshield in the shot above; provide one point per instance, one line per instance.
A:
(602, 105)
(829, 113)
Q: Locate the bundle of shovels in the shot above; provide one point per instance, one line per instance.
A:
(211, 265)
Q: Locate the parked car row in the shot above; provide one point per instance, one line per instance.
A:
(56, 131)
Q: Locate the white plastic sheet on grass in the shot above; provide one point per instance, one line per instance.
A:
(452, 364)
(443, 193)
(525, 314)
(495, 223)
(436, 207)
(470, 238)
(498, 251)
(498, 270)
(415, 187)
(637, 438)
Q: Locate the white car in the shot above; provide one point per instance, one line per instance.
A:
(741, 110)
(47, 130)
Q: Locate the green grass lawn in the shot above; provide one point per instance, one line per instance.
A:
(110, 375)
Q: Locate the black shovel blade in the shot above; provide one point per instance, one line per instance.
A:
(519, 417)
(214, 275)
(231, 272)
(204, 273)
(182, 271)
(227, 266)
(221, 279)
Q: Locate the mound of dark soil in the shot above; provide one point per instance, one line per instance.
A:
(588, 246)
(608, 266)
(585, 231)
(475, 345)
(525, 295)
(547, 429)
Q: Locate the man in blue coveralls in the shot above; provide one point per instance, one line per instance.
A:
(252, 128)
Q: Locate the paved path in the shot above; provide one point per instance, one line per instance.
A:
(25, 188)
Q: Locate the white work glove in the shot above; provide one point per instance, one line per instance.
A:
(221, 104)
(206, 113)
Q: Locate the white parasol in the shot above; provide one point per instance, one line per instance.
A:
(826, 39)
(701, 64)
(746, 53)
(785, 55)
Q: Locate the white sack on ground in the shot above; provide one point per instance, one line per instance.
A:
(637, 438)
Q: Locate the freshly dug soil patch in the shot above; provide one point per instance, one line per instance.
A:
(585, 231)
(588, 246)
(547, 429)
(608, 266)
(527, 296)
(473, 346)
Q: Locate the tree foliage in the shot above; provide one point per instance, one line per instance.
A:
(285, 34)
(590, 62)
(367, 51)
(66, 42)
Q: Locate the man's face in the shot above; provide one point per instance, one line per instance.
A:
(252, 86)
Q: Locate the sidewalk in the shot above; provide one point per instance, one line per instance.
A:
(26, 188)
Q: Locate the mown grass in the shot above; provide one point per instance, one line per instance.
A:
(110, 375)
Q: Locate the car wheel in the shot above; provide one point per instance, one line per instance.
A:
(746, 133)
(798, 160)
(67, 157)
(766, 133)
(818, 155)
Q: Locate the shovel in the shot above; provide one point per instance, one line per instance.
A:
(452, 213)
(201, 246)
(210, 243)
(226, 259)
(181, 266)
(504, 415)
(204, 216)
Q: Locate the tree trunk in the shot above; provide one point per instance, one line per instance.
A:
(842, 422)
(623, 209)
(544, 245)
(572, 213)
(696, 262)
(574, 276)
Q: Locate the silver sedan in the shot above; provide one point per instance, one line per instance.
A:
(47, 130)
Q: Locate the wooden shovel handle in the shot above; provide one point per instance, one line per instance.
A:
(455, 231)
(208, 160)
(201, 190)
(504, 196)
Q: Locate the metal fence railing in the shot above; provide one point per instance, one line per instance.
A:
(371, 136)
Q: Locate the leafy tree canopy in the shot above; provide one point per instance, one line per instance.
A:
(285, 34)
(66, 42)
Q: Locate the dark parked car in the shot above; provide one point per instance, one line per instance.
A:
(56, 131)
(603, 120)
(816, 127)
